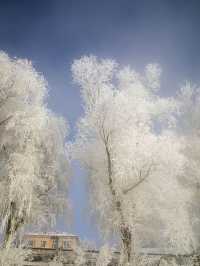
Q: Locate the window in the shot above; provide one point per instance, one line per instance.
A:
(43, 244)
(30, 243)
(66, 244)
(55, 244)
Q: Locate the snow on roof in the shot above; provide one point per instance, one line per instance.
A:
(50, 234)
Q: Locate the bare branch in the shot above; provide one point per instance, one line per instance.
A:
(141, 180)
(5, 120)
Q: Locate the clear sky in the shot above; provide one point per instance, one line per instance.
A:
(52, 33)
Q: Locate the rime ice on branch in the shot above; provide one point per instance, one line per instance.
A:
(33, 161)
(126, 142)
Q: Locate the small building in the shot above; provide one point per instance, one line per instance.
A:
(46, 247)
(51, 241)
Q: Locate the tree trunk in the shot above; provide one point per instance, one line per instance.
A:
(128, 255)
(126, 242)
(12, 226)
(125, 232)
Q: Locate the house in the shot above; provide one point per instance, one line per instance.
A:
(46, 247)
(51, 241)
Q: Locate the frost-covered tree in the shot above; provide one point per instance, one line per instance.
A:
(189, 129)
(125, 142)
(105, 256)
(57, 261)
(13, 256)
(33, 159)
(80, 259)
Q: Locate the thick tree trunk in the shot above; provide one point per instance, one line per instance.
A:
(126, 236)
(125, 232)
(12, 226)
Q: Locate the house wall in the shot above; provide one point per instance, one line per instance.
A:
(51, 241)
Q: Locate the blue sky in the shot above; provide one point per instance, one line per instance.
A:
(52, 33)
